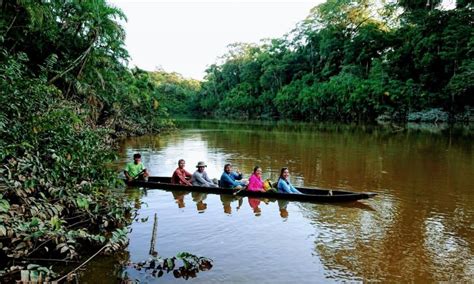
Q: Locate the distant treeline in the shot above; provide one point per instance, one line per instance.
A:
(177, 94)
(352, 61)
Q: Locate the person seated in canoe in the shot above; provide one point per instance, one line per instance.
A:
(231, 179)
(284, 185)
(180, 175)
(200, 177)
(136, 170)
(255, 180)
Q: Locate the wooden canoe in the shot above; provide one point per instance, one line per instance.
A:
(308, 194)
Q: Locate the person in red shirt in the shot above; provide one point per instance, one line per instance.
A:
(180, 175)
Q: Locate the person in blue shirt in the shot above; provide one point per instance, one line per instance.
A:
(231, 179)
(284, 184)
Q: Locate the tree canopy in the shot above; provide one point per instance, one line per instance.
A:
(65, 94)
(351, 60)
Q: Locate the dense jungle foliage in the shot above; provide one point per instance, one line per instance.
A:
(352, 61)
(65, 94)
(176, 93)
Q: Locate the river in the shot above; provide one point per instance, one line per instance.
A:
(419, 228)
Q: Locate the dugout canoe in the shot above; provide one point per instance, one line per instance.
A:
(308, 194)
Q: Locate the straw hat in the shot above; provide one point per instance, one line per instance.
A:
(201, 164)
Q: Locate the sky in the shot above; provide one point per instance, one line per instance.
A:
(187, 36)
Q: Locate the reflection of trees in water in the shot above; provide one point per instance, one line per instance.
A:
(352, 159)
(135, 195)
(344, 240)
(422, 224)
(183, 265)
(449, 249)
(459, 129)
(389, 242)
(358, 158)
(382, 240)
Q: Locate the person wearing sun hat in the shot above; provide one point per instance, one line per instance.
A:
(200, 177)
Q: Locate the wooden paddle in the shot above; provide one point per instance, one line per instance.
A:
(137, 176)
(237, 192)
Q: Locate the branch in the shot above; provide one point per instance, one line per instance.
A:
(38, 247)
(77, 268)
(50, 259)
(80, 222)
(74, 63)
(153, 237)
(11, 24)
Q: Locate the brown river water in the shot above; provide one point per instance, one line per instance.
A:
(420, 227)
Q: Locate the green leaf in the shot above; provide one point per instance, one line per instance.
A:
(34, 222)
(64, 249)
(20, 246)
(4, 205)
(32, 266)
(44, 269)
(82, 203)
(55, 223)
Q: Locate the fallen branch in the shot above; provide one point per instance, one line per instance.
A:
(38, 247)
(84, 263)
(50, 259)
(153, 237)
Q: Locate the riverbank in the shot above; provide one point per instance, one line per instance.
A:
(432, 115)
(65, 97)
(460, 128)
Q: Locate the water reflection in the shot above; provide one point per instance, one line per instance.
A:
(282, 204)
(199, 198)
(227, 200)
(419, 229)
(179, 198)
(254, 204)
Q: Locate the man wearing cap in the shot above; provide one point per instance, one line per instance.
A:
(200, 177)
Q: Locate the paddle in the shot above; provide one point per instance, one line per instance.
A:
(138, 175)
(237, 192)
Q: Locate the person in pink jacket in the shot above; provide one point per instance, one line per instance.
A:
(255, 180)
